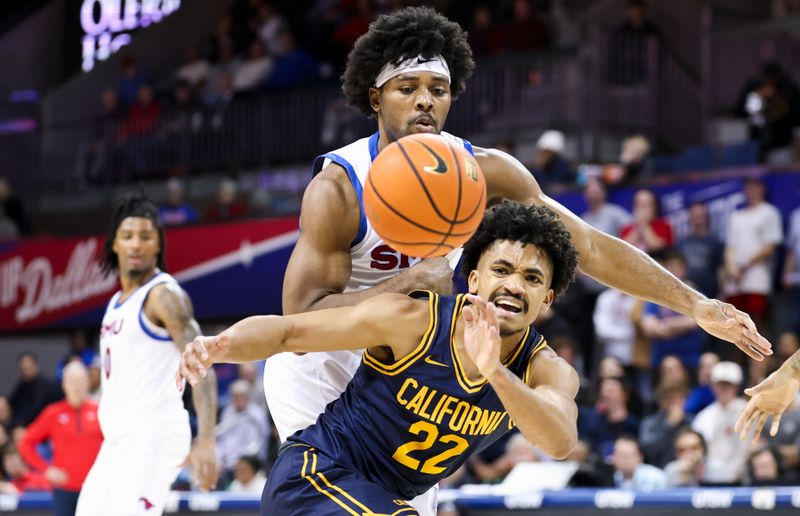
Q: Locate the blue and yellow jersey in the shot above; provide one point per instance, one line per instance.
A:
(409, 424)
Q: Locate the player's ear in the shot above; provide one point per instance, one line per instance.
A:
(375, 99)
(548, 299)
(472, 282)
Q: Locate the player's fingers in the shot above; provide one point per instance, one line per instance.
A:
(743, 417)
(762, 420)
(748, 350)
(200, 346)
(741, 317)
(491, 314)
(776, 422)
(186, 373)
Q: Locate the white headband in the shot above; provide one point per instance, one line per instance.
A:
(435, 64)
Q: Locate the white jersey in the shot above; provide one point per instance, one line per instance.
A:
(299, 387)
(139, 361)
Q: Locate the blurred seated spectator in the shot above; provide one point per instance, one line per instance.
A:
(628, 49)
(33, 391)
(95, 153)
(227, 64)
(658, 431)
(688, 469)
(354, 25)
(253, 374)
(176, 212)
(525, 31)
(613, 325)
(592, 470)
(248, 476)
(726, 454)
(270, 24)
(517, 450)
(131, 81)
(608, 217)
(255, 70)
(771, 105)
(22, 478)
(671, 368)
(490, 465)
(634, 159)
(294, 67)
(194, 70)
(702, 395)
(609, 419)
(73, 430)
(80, 348)
(242, 428)
(8, 230)
(610, 367)
(484, 36)
(630, 472)
(649, 232)
(5, 414)
(142, 116)
(702, 250)
(791, 269)
(765, 468)
(13, 208)
(670, 332)
(185, 114)
(218, 104)
(548, 165)
(227, 206)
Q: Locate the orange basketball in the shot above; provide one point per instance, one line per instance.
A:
(425, 195)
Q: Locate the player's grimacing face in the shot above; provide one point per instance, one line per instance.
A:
(416, 102)
(136, 245)
(515, 277)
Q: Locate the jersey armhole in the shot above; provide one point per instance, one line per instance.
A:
(351, 174)
(150, 328)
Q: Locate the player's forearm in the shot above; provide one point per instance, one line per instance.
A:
(651, 238)
(204, 397)
(626, 268)
(792, 366)
(551, 426)
(402, 283)
(255, 338)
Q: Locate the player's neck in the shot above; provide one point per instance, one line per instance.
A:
(131, 282)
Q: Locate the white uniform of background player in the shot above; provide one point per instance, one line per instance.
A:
(145, 427)
(298, 388)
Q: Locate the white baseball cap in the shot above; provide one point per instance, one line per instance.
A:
(552, 141)
(729, 372)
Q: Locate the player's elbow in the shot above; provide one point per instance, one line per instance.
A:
(563, 446)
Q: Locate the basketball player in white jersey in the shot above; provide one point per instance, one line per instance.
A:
(405, 72)
(146, 430)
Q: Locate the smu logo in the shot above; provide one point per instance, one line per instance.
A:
(384, 258)
(111, 328)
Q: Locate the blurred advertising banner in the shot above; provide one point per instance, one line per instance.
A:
(229, 270)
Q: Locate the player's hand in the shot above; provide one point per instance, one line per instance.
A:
(482, 335)
(198, 356)
(724, 321)
(771, 397)
(56, 476)
(434, 274)
(203, 461)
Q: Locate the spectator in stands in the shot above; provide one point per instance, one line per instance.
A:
(485, 38)
(630, 472)
(356, 24)
(80, 348)
(658, 431)
(771, 104)
(131, 81)
(791, 270)
(248, 476)
(13, 208)
(255, 70)
(613, 325)
(671, 368)
(754, 233)
(183, 117)
(765, 468)
(218, 104)
(72, 428)
(195, 69)
(548, 164)
(242, 428)
(8, 230)
(270, 24)
(227, 206)
(702, 395)
(607, 217)
(95, 380)
(702, 250)
(670, 332)
(727, 454)
(294, 67)
(5, 414)
(227, 64)
(253, 373)
(634, 160)
(526, 31)
(628, 49)
(33, 391)
(609, 419)
(688, 469)
(610, 367)
(649, 232)
(20, 476)
(176, 212)
(96, 153)
(489, 467)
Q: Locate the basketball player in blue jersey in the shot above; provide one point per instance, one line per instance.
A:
(441, 376)
(146, 430)
(405, 72)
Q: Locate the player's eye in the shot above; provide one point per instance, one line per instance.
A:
(439, 92)
(407, 90)
(534, 279)
(499, 270)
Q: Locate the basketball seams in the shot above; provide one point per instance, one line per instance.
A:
(421, 182)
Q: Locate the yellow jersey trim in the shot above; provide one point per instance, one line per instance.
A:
(539, 345)
(422, 348)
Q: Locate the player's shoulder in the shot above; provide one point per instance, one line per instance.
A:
(391, 302)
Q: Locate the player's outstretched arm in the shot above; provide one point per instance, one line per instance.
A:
(544, 411)
(320, 265)
(618, 264)
(393, 321)
(771, 397)
(169, 305)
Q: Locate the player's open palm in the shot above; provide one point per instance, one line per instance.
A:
(771, 397)
(482, 335)
(724, 321)
(199, 355)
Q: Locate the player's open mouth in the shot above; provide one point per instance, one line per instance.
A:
(425, 124)
(509, 305)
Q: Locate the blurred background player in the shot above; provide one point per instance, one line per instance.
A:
(146, 428)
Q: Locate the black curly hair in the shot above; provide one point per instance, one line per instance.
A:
(518, 222)
(402, 35)
(136, 205)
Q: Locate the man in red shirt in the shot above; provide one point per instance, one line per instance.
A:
(72, 427)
